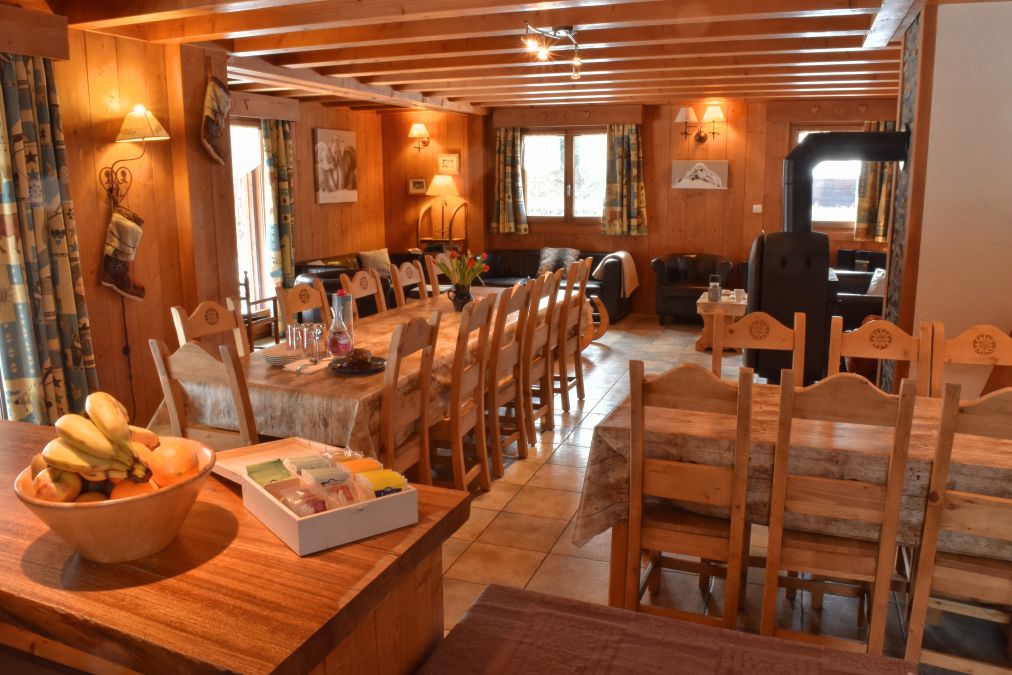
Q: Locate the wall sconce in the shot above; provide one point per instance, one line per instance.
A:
(419, 131)
(686, 116)
(712, 115)
(139, 125)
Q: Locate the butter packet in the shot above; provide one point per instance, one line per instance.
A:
(267, 472)
(382, 482)
(299, 464)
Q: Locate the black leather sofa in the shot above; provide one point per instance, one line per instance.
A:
(511, 266)
(852, 301)
(682, 277)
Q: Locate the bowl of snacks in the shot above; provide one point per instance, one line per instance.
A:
(113, 492)
(358, 362)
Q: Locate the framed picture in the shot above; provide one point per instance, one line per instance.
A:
(336, 164)
(449, 164)
(690, 174)
(417, 186)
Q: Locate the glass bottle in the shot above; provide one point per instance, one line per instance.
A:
(339, 342)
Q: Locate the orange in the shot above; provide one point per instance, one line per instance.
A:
(128, 488)
(92, 497)
(171, 463)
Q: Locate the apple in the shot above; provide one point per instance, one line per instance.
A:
(54, 485)
(38, 464)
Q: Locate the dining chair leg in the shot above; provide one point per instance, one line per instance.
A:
(481, 450)
(495, 446)
(746, 545)
(791, 592)
(581, 394)
(564, 379)
(457, 462)
(654, 580)
(528, 404)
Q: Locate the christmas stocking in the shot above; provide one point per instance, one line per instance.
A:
(217, 103)
(121, 240)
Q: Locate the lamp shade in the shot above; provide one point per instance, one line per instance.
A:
(141, 125)
(418, 130)
(442, 185)
(713, 114)
(686, 115)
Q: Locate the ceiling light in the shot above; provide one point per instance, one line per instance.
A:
(539, 42)
(542, 53)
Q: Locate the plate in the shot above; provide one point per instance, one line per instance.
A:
(378, 364)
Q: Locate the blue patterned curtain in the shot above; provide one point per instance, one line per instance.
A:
(509, 215)
(280, 160)
(47, 363)
(625, 197)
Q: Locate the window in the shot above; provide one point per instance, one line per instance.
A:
(834, 189)
(564, 174)
(254, 206)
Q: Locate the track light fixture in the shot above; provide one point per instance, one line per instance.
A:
(539, 42)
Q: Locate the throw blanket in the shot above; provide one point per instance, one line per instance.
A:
(630, 281)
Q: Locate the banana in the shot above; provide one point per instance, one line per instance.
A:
(139, 452)
(85, 436)
(123, 453)
(108, 415)
(144, 436)
(98, 476)
(139, 473)
(65, 456)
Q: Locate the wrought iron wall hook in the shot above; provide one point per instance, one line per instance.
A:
(117, 181)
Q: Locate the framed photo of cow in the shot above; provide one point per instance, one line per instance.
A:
(336, 163)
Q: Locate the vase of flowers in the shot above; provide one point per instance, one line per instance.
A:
(462, 271)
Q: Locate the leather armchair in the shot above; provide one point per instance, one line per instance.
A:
(851, 297)
(682, 277)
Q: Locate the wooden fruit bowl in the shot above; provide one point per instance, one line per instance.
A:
(126, 529)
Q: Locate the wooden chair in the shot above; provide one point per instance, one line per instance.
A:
(721, 543)
(980, 345)
(882, 341)
(210, 318)
(536, 367)
(467, 399)
(302, 297)
(504, 397)
(435, 288)
(364, 284)
(759, 330)
(570, 338)
(408, 274)
(949, 582)
(192, 363)
(404, 412)
(259, 322)
(846, 564)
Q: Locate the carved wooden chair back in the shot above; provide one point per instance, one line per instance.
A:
(210, 318)
(406, 275)
(980, 345)
(759, 330)
(364, 284)
(883, 341)
(300, 298)
(434, 273)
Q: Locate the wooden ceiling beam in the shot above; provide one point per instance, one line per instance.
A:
(258, 70)
(301, 49)
(99, 14)
(887, 22)
(662, 99)
(647, 96)
(33, 33)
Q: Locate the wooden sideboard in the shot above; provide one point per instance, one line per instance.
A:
(227, 595)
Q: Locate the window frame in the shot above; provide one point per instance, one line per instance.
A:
(839, 229)
(567, 221)
(257, 198)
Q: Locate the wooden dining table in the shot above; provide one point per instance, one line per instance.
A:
(836, 450)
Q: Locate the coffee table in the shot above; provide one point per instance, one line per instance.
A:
(731, 308)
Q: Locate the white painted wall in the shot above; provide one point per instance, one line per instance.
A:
(965, 273)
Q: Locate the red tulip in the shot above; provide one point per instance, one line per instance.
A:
(484, 256)
(470, 263)
(453, 255)
(485, 268)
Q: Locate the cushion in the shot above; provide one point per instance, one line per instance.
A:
(347, 260)
(554, 258)
(877, 286)
(378, 260)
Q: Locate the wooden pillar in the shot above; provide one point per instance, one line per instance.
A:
(205, 207)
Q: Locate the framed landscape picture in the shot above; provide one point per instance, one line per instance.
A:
(448, 164)
(690, 174)
(336, 163)
(417, 186)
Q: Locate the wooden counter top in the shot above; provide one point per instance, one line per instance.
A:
(227, 595)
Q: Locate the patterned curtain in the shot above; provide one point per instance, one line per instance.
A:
(625, 197)
(509, 215)
(875, 193)
(47, 363)
(280, 161)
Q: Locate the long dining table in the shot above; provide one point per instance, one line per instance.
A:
(818, 448)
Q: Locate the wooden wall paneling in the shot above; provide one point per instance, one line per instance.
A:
(478, 164)
(755, 167)
(777, 145)
(729, 228)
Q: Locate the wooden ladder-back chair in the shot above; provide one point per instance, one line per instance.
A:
(404, 276)
(570, 335)
(210, 318)
(721, 543)
(536, 356)
(259, 322)
(882, 341)
(981, 345)
(364, 284)
(194, 364)
(435, 288)
(404, 412)
(847, 565)
(300, 298)
(466, 414)
(504, 378)
(759, 330)
(962, 584)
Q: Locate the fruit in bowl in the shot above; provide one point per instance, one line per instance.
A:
(102, 477)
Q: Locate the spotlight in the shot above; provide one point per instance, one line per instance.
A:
(576, 73)
(531, 43)
(542, 53)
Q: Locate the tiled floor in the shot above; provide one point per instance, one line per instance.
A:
(520, 533)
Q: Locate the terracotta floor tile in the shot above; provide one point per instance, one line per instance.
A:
(519, 472)
(559, 477)
(476, 522)
(489, 564)
(598, 548)
(458, 596)
(497, 497)
(452, 548)
(544, 502)
(532, 533)
(569, 577)
(570, 455)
